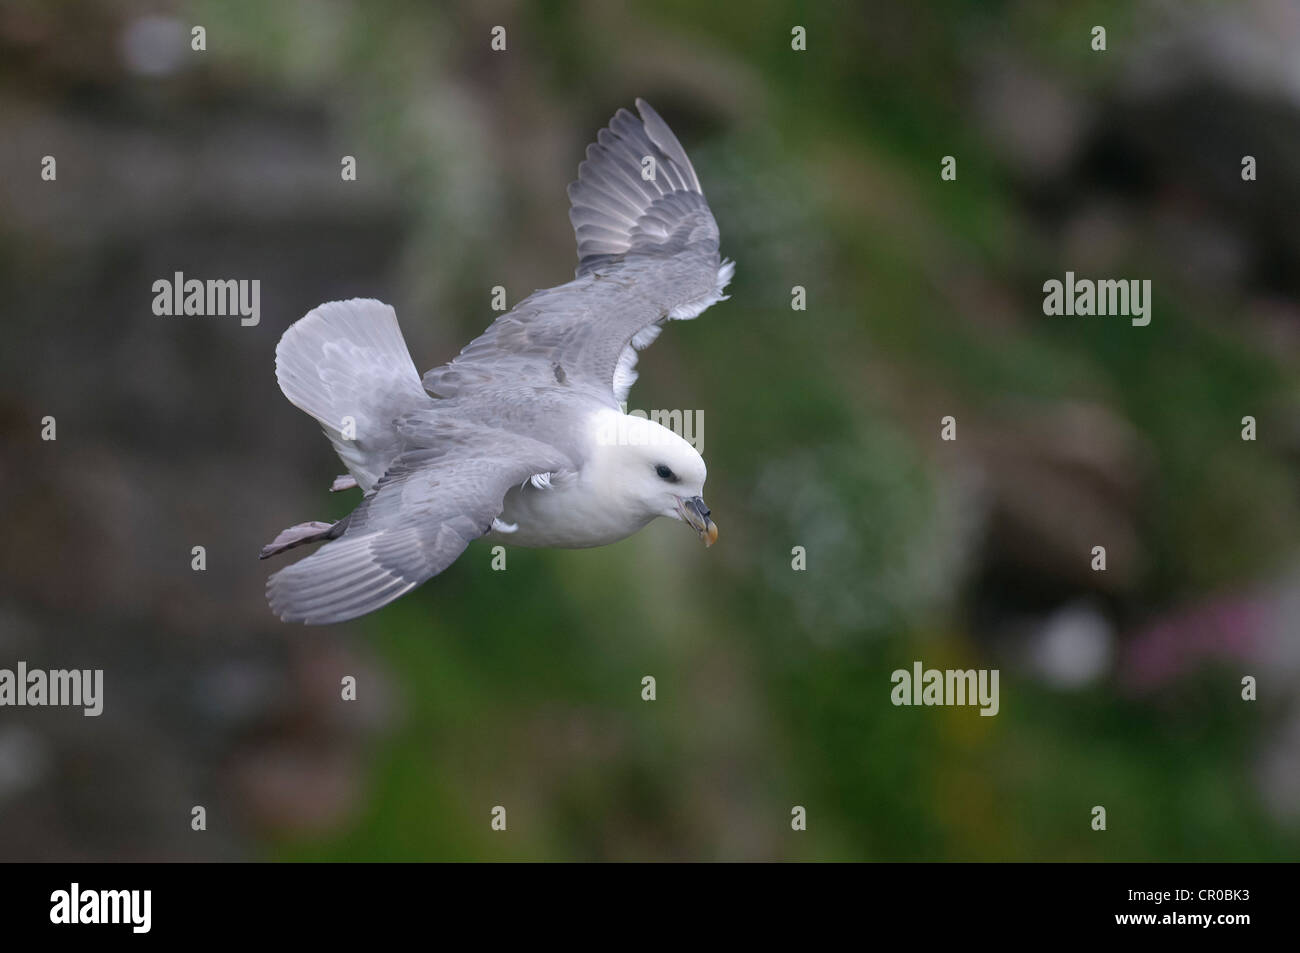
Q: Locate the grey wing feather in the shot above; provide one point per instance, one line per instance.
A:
(423, 514)
(648, 253)
(638, 193)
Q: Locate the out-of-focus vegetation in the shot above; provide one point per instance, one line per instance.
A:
(822, 430)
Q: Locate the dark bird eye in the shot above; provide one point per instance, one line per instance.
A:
(665, 473)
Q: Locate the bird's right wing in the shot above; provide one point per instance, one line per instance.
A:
(647, 254)
(637, 194)
(423, 514)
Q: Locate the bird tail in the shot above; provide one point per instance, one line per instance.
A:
(345, 363)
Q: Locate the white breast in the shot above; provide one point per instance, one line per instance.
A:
(569, 515)
(576, 510)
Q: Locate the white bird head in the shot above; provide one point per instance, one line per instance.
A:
(655, 471)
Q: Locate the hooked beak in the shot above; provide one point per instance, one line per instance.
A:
(696, 515)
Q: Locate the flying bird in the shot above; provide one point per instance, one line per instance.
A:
(522, 437)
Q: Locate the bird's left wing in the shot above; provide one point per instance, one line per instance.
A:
(648, 253)
(423, 514)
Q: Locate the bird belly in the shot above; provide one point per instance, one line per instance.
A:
(564, 516)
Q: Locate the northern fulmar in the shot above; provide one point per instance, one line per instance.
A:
(522, 438)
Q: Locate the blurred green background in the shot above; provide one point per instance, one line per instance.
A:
(821, 429)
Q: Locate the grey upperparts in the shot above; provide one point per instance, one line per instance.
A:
(434, 461)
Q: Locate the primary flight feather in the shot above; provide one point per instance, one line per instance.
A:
(521, 437)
